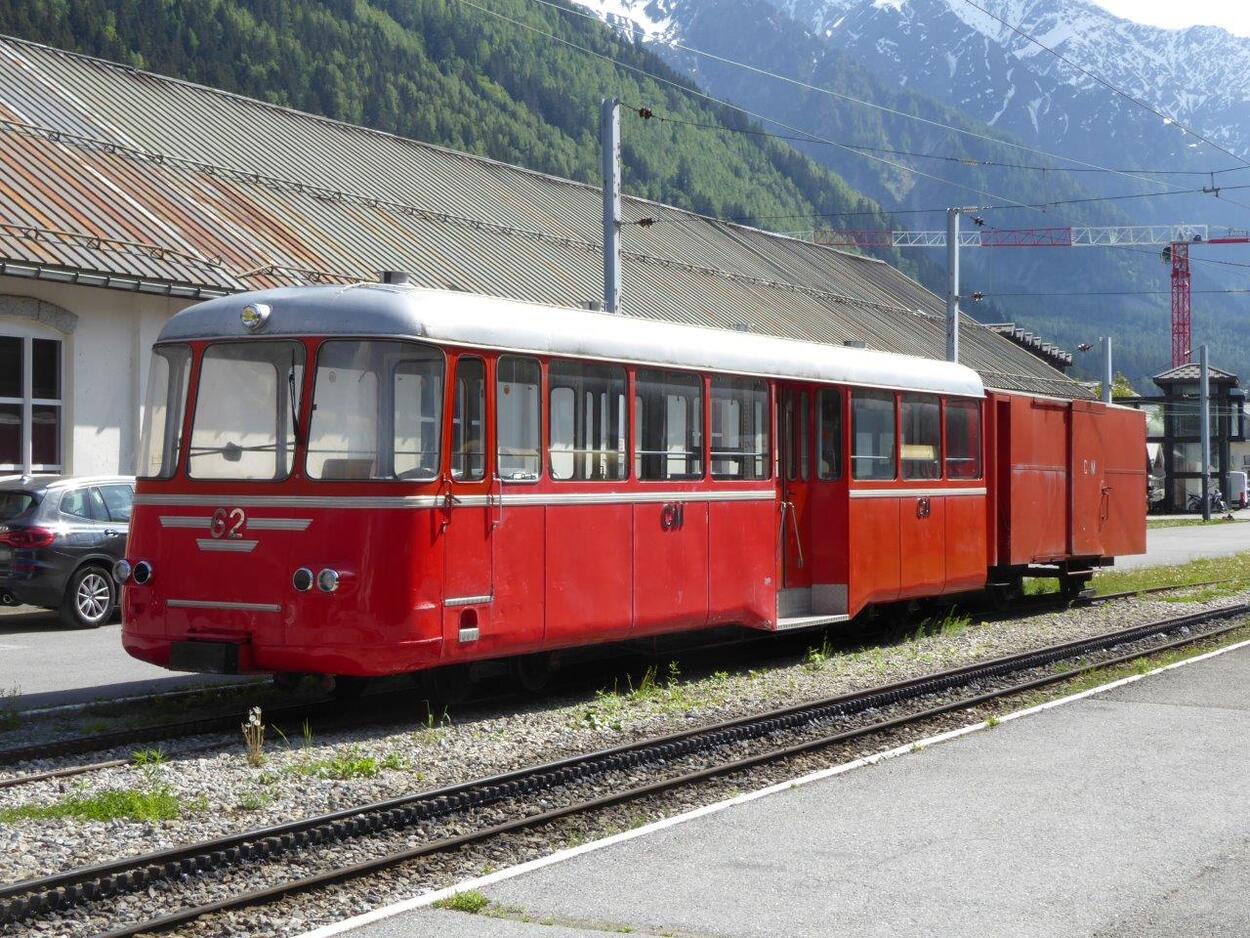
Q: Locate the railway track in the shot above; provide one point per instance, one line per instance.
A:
(470, 813)
(379, 706)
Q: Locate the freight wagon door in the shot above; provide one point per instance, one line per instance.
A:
(1085, 480)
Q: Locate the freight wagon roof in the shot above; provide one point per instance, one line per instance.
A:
(452, 318)
(121, 178)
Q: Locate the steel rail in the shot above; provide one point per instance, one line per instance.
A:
(62, 890)
(226, 723)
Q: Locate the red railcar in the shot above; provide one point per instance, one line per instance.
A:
(382, 479)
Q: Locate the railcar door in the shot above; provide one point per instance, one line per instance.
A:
(470, 508)
(794, 448)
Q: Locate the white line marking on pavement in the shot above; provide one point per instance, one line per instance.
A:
(13, 647)
(429, 898)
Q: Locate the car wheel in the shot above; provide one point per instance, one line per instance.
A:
(90, 599)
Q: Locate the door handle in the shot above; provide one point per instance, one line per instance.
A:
(109, 532)
(788, 508)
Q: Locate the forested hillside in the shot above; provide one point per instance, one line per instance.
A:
(443, 72)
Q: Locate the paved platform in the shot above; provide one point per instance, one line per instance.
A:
(1168, 546)
(1123, 814)
(51, 665)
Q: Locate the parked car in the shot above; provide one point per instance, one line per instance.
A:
(59, 539)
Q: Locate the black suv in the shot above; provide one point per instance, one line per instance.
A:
(59, 539)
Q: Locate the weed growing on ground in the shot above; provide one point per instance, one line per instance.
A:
(672, 695)
(255, 800)
(10, 718)
(349, 764)
(953, 622)
(133, 804)
(818, 655)
(145, 757)
(254, 736)
(992, 721)
(471, 902)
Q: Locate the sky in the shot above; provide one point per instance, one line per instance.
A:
(1233, 15)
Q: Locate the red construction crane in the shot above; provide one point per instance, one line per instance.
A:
(1177, 239)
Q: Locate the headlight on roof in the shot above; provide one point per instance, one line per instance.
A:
(254, 316)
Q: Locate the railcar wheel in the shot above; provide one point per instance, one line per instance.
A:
(1070, 587)
(347, 688)
(450, 684)
(533, 673)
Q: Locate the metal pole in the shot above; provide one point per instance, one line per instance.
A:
(1204, 390)
(1108, 377)
(952, 286)
(610, 140)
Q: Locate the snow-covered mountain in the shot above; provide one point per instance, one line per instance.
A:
(1198, 76)
(953, 52)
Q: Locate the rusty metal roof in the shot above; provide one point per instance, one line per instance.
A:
(118, 177)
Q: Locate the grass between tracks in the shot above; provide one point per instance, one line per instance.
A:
(1189, 522)
(1235, 568)
(158, 803)
(10, 718)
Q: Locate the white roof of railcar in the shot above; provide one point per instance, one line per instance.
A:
(453, 318)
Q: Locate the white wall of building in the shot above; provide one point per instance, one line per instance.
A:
(104, 365)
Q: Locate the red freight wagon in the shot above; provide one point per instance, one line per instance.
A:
(381, 479)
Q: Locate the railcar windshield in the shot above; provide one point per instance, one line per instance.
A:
(164, 405)
(244, 425)
(377, 412)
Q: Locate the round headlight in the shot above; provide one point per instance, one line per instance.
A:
(302, 580)
(328, 580)
(142, 572)
(121, 571)
(254, 316)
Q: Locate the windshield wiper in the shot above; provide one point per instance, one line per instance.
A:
(290, 383)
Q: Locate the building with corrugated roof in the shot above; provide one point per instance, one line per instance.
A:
(125, 196)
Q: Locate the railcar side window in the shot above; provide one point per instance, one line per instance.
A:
(740, 429)
(668, 415)
(244, 424)
(922, 437)
(588, 425)
(519, 419)
(377, 412)
(872, 435)
(829, 412)
(963, 439)
(468, 422)
(163, 408)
